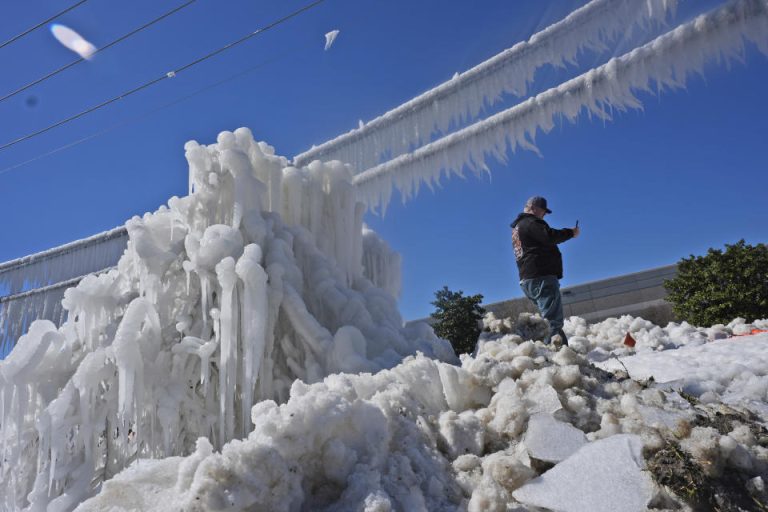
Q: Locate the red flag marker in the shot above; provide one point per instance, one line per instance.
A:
(629, 340)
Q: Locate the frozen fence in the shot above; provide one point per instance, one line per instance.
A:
(62, 263)
(32, 287)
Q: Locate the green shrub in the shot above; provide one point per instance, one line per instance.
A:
(457, 318)
(718, 287)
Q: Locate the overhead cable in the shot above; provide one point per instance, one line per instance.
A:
(170, 74)
(140, 117)
(81, 59)
(44, 22)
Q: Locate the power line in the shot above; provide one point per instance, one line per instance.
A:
(145, 115)
(170, 74)
(19, 36)
(81, 59)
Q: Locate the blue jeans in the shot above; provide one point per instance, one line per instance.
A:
(545, 293)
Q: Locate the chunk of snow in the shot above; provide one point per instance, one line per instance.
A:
(604, 476)
(551, 440)
(543, 398)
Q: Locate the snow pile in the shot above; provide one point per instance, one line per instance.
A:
(715, 372)
(707, 365)
(603, 339)
(221, 300)
(516, 427)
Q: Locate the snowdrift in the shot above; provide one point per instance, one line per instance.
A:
(262, 275)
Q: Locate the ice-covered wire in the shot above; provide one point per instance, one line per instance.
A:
(511, 71)
(667, 61)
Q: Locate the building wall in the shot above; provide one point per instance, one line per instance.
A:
(637, 294)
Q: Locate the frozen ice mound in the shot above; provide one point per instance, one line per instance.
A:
(347, 442)
(262, 275)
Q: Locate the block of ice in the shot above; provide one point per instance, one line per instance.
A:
(543, 398)
(603, 476)
(551, 440)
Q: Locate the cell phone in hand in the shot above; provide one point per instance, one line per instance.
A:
(577, 222)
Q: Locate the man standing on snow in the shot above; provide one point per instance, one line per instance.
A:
(540, 263)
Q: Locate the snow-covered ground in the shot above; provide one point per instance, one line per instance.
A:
(518, 426)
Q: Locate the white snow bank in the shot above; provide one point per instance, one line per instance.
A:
(351, 442)
(606, 338)
(733, 370)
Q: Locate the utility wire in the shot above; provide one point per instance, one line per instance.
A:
(19, 36)
(81, 59)
(170, 74)
(145, 115)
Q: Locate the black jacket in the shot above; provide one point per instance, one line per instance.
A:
(535, 245)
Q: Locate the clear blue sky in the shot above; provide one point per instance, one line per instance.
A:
(687, 173)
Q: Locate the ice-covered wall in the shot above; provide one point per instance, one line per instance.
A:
(221, 299)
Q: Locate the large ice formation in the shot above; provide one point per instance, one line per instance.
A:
(262, 275)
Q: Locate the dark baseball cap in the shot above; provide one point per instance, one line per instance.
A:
(539, 202)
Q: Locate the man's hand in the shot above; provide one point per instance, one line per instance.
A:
(576, 230)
